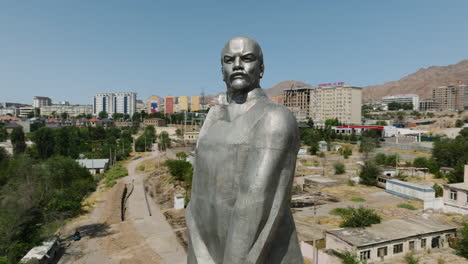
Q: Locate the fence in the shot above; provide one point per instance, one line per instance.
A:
(407, 147)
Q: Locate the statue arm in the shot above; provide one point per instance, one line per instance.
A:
(263, 190)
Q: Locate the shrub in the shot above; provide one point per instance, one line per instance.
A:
(339, 168)
(407, 206)
(358, 199)
(347, 257)
(180, 169)
(341, 211)
(369, 172)
(410, 259)
(360, 217)
(321, 154)
(141, 167)
(380, 158)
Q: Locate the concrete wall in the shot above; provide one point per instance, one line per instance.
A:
(436, 204)
(408, 190)
(308, 253)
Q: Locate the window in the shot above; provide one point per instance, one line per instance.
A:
(423, 243)
(453, 195)
(382, 252)
(364, 255)
(411, 245)
(398, 248)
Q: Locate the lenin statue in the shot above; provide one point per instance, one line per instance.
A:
(243, 171)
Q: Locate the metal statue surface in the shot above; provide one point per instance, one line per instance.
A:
(244, 167)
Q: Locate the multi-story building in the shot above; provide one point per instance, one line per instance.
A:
(427, 105)
(153, 104)
(298, 100)
(341, 102)
(122, 102)
(451, 97)
(26, 110)
(402, 99)
(169, 102)
(195, 103)
(325, 102)
(71, 110)
(39, 101)
(183, 103)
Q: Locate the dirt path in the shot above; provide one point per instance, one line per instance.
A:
(141, 238)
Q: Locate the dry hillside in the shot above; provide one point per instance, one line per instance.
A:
(421, 82)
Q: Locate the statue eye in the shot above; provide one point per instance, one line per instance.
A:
(249, 57)
(228, 59)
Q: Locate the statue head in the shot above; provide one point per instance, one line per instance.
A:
(242, 65)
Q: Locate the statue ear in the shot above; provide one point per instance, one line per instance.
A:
(262, 69)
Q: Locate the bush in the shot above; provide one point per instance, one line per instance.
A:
(339, 168)
(347, 257)
(380, 158)
(410, 259)
(114, 173)
(369, 172)
(180, 169)
(360, 217)
(407, 206)
(321, 154)
(459, 123)
(141, 167)
(358, 199)
(341, 211)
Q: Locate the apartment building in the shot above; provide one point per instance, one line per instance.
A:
(71, 110)
(402, 99)
(451, 97)
(39, 101)
(325, 102)
(341, 102)
(153, 104)
(427, 105)
(298, 100)
(169, 103)
(121, 102)
(195, 103)
(183, 103)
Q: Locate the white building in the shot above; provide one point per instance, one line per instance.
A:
(26, 110)
(95, 166)
(402, 98)
(39, 101)
(122, 102)
(71, 110)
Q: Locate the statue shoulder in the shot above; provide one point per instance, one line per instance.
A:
(281, 124)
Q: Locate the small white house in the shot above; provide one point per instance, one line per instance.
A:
(179, 202)
(95, 166)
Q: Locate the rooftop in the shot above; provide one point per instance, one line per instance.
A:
(93, 163)
(38, 252)
(461, 186)
(390, 230)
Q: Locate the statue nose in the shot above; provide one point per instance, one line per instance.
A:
(237, 63)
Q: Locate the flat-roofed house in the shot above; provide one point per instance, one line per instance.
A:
(391, 238)
(456, 196)
(95, 166)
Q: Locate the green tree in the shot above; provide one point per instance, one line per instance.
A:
(439, 191)
(180, 169)
(369, 173)
(17, 140)
(164, 141)
(3, 133)
(179, 132)
(430, 115)
(380, 158)
(459, 123)
(360, 217)
(136, 117)
(64, 115)
(420, 162)
(4, 156)
(462, 245)
(44, 142)
(103, 114)
(332, 122)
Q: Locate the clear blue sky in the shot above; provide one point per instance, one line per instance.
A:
(70, 50)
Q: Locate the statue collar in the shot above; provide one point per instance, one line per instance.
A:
(251, 96)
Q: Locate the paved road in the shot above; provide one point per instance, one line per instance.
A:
(154, 228)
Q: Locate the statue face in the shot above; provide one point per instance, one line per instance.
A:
(242, 64)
